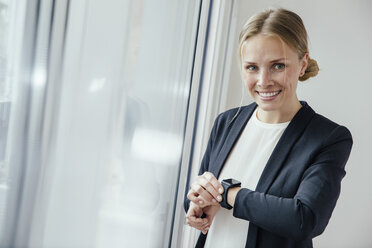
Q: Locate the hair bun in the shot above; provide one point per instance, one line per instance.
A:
(311, 70)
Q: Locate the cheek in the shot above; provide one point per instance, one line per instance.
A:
(292, 78)
(286, 79)
(280, 77)
(249, 81)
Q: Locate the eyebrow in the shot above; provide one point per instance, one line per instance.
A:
(272, 61)
(277, 60)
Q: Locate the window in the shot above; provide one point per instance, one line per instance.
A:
(104, 120)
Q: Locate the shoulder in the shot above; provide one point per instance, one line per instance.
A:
(323, 128)
(330, 129)
(228, 117)
(231, 120)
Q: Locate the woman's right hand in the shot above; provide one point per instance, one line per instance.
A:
(205, 191)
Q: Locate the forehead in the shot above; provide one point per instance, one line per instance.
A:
(266, 48)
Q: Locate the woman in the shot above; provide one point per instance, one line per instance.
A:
(272, 170)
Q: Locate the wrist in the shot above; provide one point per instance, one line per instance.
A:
(228, 185)
(231, 195)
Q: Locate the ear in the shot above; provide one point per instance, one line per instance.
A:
(304, 62)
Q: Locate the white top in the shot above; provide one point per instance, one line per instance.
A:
(245, 163)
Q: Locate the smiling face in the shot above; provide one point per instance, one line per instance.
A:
(270, 71)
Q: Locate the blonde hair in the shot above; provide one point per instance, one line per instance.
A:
(286, 25)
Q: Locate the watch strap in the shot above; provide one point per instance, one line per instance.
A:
(227, 184)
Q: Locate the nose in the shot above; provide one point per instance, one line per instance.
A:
(264, 79)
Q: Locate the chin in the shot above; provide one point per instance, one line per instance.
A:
(267, 106)
(267, 109)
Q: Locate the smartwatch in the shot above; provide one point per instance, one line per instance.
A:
(227, 184)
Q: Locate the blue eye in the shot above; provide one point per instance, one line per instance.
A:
(251, 68)
(279, 66)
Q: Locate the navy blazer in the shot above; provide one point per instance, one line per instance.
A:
(301, 182)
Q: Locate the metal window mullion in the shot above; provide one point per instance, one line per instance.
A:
(178, 225)
(207, 81)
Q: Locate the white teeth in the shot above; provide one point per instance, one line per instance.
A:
(268, 94)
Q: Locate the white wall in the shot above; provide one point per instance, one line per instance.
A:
(341, 41)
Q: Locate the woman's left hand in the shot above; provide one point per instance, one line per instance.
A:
(194, 219)
(210, 212)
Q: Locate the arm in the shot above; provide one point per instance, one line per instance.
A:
(307, 213)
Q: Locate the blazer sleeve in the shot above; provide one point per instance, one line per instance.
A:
(205, 160)
(306, 214)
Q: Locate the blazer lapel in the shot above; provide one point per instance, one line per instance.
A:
(235, 129)
(284, 145)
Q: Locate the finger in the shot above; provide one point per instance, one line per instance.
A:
(197, 223)
(213, 180)
(206, 225)
(196, 199)
(205, 183)
(192, 196)
(202, 203)
(196, 220)
(205, 230)
(194, 224)
(201, 191)
(194, 215)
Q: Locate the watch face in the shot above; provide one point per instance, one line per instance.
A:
(231, 181)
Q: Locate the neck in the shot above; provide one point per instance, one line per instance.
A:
(279, 116)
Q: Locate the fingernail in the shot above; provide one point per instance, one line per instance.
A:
(200, 202)
(219, 198)
(220, 190)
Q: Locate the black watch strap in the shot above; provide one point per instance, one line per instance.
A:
(227, 184)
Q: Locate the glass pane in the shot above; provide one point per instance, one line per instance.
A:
(110, 175)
